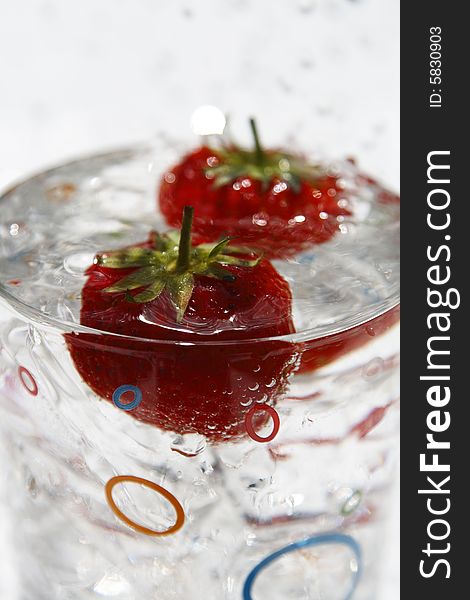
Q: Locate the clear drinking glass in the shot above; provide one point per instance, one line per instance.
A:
(280, 490)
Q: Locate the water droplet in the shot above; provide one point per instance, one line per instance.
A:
(280, 187)
(189, 445)
(170, 177)
(373, 368)
(351, 503)
(212, 161)
(259, 220)
(78, 262)
(207, 468)
(271, 384)
(254, 387)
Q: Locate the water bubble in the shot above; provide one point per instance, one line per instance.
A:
(351, 503)
(254, 387)
(280, 187)
(189, 445)
(212, 161)
(170, 177)
(259, 220)
(271, 384)
(207, 468)
(373, 368)
(78, 262)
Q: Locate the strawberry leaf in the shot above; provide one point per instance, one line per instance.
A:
(151, 292)
(180, 289)
(140, 278)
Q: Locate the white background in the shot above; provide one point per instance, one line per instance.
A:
(86, 74)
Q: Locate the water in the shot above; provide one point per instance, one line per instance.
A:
(328, 468)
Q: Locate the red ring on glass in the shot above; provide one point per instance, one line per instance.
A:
(153, 486)
(249, 422)
(22, 371)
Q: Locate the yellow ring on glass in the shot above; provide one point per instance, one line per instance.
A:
(153, 486)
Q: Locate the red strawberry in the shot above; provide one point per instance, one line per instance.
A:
(194, 308)
(268, 199)
(325, 350)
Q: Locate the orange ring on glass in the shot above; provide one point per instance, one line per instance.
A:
(23, 371)
(153, 486)
(249, 423)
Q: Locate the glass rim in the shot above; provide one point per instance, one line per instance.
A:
(39, 318)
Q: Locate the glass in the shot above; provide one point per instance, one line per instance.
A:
(281, 489)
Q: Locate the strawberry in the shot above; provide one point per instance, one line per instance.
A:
(190, 309)
(267, 199)
(322, 351)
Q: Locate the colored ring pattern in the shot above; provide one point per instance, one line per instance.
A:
(316, 540)
(118, 392)
(249, 423)
(33, 390)
(153, 486)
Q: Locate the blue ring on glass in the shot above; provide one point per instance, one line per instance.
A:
(316, 540)
(118, 392)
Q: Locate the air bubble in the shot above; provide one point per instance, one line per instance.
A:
(373, 368)
(170, 177)
(78, 262)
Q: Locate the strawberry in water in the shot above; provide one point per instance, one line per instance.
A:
(268, 199)
(190, 310)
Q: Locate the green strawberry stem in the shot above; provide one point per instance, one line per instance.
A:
(259, 152)
(265, 167)
(184, 248)
(171, 265)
